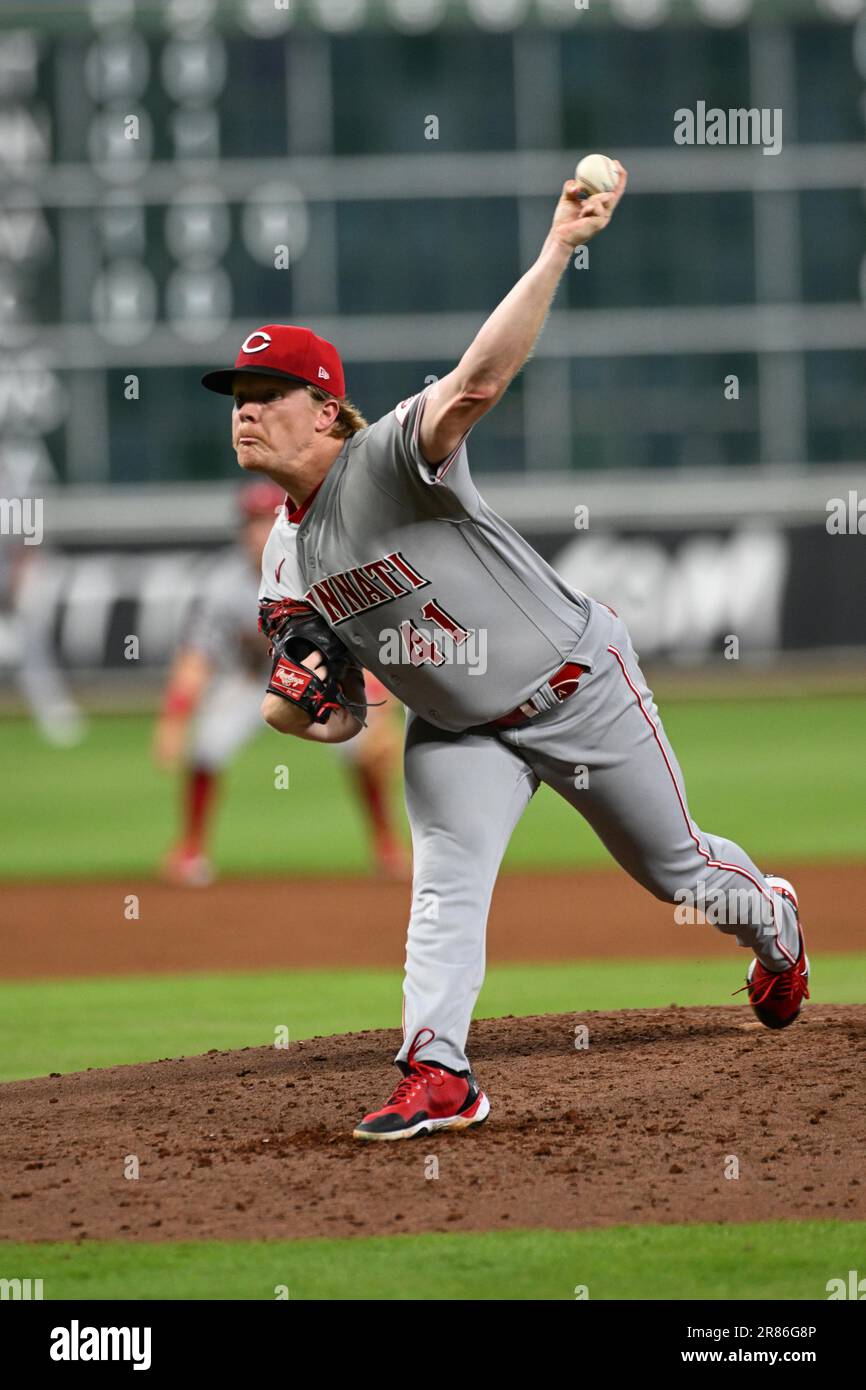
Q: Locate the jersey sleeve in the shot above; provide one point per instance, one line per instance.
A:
(446, 477)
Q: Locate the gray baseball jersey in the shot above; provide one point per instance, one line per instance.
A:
(444, 601)
(460, 617)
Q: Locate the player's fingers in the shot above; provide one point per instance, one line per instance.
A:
(599, 203)
(316, 662)
(596, 218)
(623, 180)
(590, 210)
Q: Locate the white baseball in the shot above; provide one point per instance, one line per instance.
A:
(596, 173)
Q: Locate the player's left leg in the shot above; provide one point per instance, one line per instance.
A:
(230, 717)
(464, 795)
(606, 752)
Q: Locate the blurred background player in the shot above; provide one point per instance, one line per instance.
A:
(29, 584)
(25, 578)
(216, 681)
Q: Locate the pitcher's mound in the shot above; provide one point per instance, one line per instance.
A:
(663, 1115)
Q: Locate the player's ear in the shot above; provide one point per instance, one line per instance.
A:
(329, 413)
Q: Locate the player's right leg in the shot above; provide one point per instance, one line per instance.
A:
(464, 795)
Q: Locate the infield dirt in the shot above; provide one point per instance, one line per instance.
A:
(79, 928)
(642, 1124)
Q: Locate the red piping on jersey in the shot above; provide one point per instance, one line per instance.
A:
(440, 468)
(443, 467)
(296, 514)
(705, 854)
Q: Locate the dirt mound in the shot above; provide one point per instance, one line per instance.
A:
(638, 1126)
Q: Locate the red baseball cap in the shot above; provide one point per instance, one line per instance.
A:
(282, 350)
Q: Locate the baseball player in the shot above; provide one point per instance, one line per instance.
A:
(217, 676)
(390, 559)
(29, 584)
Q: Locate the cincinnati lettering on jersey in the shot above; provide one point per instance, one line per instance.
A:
(357, 590)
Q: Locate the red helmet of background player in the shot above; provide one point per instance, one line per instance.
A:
(262, 498)
(283, 350)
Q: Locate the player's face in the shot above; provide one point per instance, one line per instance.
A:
(272, 422)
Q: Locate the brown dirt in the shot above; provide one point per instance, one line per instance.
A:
(256, 1144)
(78, 929)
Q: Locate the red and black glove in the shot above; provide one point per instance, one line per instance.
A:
(302, 687)
(295, 629)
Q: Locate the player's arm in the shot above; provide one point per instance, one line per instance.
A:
(289, 718)
(188, 678)
(507, 338)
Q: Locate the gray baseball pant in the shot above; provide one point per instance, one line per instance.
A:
(604, 750)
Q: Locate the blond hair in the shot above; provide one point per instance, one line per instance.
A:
(349, 420)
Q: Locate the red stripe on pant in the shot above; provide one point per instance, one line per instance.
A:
(704, 853)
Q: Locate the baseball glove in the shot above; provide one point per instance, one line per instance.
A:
(294, 629)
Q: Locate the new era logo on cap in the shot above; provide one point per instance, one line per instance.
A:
(283, 350)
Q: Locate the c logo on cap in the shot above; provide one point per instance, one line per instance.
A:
(259, 347)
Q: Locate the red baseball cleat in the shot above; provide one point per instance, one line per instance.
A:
(777, 998)
(187, 869)
(429, 1097)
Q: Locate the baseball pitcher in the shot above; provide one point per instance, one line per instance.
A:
(391, 560)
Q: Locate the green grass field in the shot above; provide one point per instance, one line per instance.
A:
(784, 777)
(622, 1262)
(69, 1025)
